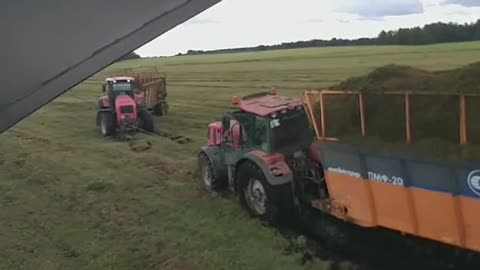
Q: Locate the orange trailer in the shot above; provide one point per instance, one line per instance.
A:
(431, 199)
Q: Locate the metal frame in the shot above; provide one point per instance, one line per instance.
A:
(463, 128)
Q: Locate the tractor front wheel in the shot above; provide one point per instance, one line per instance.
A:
(145, 120)
(207, 175)
(272, 204)
(106, 123)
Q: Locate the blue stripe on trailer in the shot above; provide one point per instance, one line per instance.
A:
(402, 169)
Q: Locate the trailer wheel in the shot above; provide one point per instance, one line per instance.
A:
(161, 109)
(165, 108)
(272, 204)
(106, 124)
(207, 176)
(157, 109)
(145, 120)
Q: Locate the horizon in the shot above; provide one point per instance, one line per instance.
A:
(325, 47)
(343, 19)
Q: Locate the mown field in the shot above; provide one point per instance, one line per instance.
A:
(73, 200)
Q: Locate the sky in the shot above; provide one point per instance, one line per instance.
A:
(243, 23)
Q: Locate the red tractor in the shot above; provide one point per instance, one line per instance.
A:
(121, 109)
(265, 151)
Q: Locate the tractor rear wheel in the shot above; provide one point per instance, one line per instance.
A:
(207, 175)
(272, 204)
(106, 123)
(145, 120)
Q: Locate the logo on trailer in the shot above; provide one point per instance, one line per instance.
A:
(274, 123)
(473, 181)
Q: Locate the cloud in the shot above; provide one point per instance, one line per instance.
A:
(371, 19)
(314, 20)
(466, 3)
(456, 12)
(381, 8)
(343, 21)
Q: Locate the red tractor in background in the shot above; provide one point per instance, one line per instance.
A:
(121, 109)
(265, 151)
(151, 87)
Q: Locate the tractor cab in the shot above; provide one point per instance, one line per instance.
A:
(118, 86)
(264, 121)
(262, 150)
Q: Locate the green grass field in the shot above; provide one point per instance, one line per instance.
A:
(73, 200)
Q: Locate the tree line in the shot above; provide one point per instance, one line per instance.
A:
(131, 55)
(428, 34)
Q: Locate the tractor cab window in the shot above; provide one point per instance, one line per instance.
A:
(122, 89)
(256, 130)
(290, 131)
(232, 131)
(260, 134)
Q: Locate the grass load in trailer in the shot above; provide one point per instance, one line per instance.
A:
(439, 103)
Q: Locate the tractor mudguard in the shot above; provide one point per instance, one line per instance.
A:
(98, 114)
(216, 159)
(103, 102)
(276, 173)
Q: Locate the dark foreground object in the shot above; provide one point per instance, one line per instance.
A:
(65, 42)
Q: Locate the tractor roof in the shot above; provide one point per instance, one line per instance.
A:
(119, 78)
(267, 104)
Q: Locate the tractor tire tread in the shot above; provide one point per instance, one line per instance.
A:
(146, 120)
(216, 184)
(106, 118)
(279, 204)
